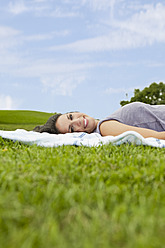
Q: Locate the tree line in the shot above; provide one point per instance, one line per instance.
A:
(154, 95)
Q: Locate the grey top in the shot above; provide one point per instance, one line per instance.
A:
(139, 114)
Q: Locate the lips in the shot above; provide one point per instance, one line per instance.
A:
(85, 122)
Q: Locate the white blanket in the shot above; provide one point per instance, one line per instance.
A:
(78, 139)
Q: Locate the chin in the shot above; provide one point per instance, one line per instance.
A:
(91, 129)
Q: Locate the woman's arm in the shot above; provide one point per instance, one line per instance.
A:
(115, 128)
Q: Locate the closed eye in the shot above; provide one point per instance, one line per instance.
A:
(70, 117)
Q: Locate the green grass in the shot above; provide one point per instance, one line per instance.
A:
(80, 197)
(13, 119)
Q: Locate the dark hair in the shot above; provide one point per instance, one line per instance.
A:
(49, 126)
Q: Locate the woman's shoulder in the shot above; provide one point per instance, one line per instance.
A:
(135, 104)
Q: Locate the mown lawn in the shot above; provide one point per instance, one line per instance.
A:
(13, 119)
(80, 197)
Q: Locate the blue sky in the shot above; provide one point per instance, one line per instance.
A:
(84, 55)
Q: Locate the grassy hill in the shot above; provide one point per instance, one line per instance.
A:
(13, 119)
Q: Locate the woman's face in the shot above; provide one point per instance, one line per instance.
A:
(76, 122)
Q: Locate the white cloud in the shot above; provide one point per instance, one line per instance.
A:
(62, 85)
(48, 36)
(99, 4)
(43, 8)
(21, 6)
(6, 32)
(60, 79)
(59, 9)
(7, 103)
(40, 1)
(113, 41)
(50, 67)
(18, 7)
(149, 24)
(154, 64)
(8, 37)
(143, 28)
(13, 58)
(61, 13)
(9, 40)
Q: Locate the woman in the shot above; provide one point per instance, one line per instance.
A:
(147, 120)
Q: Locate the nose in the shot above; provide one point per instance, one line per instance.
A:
(77, 124)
